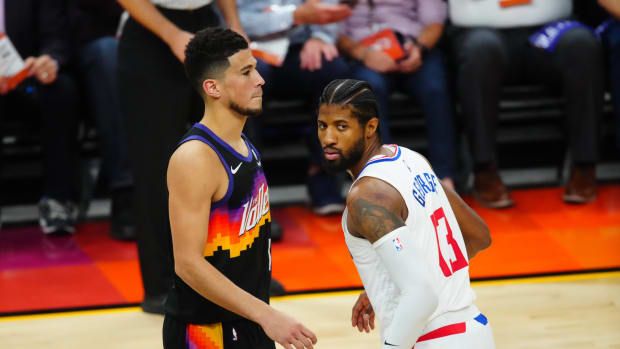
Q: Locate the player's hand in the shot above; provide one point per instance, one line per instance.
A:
(379, 61)
(315, 12)
(413, 61)
(44, 68)
(362, 315)
(290, 333)
(312, 54)
(178, 42)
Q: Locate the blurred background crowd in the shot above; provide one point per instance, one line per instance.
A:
(106, 98)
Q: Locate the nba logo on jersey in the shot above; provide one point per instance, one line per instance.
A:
(234, 334)
(397, 244)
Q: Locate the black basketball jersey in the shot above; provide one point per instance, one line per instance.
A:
(239, 237)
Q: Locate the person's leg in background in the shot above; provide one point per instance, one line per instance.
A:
(382, 85)
(98, 66)
(254, 131)
(59, 119)
(254, 125)
(481, 59)
(430, 87)
(613, 47)
(155, 102)
(3, 110)
(579, 57)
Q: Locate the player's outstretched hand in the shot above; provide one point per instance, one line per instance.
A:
(290, 333)
(362, 315)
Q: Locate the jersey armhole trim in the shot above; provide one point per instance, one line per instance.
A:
(384, 158)
(231, 183)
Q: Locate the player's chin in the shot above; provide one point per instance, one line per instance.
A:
(257, 103)
(333, 166)
(254, 112)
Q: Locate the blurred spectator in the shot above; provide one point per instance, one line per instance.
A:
(311, 62)
(420, 71)
(94, 24)
(39, 32)
(611, 37)
(525, 42)
(157, 102)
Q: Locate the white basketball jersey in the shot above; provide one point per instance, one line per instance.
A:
(435, 230)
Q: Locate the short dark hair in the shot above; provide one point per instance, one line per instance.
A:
(206, 55)
(356, 93)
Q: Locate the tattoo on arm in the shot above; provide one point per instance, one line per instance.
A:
(372, 220)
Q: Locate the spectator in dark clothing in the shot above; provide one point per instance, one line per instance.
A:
(39, 32)
(94, 24)
(491, 45)
(611, 38)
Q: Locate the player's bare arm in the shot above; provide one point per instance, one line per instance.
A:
(190, 205)
(377, 212)
(475, 231)
(375, 208)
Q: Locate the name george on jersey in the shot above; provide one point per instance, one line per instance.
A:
(255, 209)
(424, 184)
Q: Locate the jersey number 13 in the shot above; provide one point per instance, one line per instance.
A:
(461, 261)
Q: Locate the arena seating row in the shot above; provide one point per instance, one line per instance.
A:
(530, 136)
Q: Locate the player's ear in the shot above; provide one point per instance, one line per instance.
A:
(211, 88)
(371, 127)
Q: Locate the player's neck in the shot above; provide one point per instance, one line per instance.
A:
(374, 148)
(224, 122)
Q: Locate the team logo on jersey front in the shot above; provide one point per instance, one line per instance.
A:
(235, 229)
(255, 209)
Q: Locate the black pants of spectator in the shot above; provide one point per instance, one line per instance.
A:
(157, 101)
(97, 63)
(488, 58)
(55, 108)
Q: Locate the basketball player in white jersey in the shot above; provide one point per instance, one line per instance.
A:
(409, 236)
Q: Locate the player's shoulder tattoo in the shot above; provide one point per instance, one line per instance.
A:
(372, 219)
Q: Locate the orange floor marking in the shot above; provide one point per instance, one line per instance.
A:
(540, 234)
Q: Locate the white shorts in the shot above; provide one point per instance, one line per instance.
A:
(477, 334)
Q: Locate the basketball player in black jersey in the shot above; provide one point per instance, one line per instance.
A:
(220, 214)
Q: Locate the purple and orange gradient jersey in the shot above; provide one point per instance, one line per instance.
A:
(239, 236)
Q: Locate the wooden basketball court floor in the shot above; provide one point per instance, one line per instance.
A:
(41, 279)
(576, 311)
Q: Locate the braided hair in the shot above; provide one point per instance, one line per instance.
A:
(356, 93)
